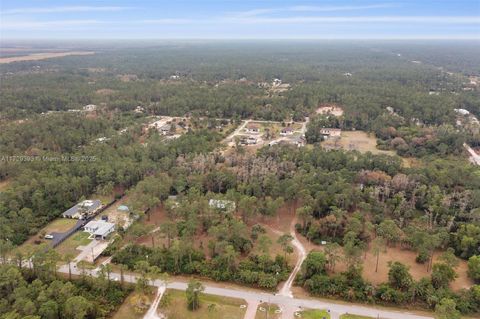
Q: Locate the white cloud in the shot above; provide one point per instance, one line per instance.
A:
(259, 12)
(28, 25)
(167, 21)
(358, 19)
(342, 8)
(64, 9)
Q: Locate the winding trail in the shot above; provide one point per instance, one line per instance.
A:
(286, 289)
(152, 311)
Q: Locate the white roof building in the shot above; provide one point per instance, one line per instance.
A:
(90, 107)
(222, 204)
(99, 228)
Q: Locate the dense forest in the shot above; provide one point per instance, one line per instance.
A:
(54, 154)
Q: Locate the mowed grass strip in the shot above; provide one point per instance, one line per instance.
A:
(349, 316)
(315, 314)
(271, 314)
(59, 225)
(70, 245)
(174, 306)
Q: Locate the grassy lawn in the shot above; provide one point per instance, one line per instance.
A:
(271, 313)
(223, 307)
(69, 246)
(315, 314)
(127, 311)
(354, 317)
(59, 225)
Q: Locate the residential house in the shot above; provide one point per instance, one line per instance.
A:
(90, 108)
(330, 132)
(286, 131)
(139, 109)
(99, 229)
(165, 129)
(83, 209)
(222, 204)
(248, 140)
(252, 128)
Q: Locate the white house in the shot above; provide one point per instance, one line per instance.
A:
(99, 229)
(90, 108)
(330, 132)
(222, 204)
(462, 111)
(252, 128)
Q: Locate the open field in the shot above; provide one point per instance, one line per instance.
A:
(70, 245)
(59, 225)
(331, 108)
(404, 256)
(272, 314)
(43, 56)
(315, 314)
(127, 310)
(355, 140)
(211, 307)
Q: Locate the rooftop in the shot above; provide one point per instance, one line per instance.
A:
(99, 227)
(88, 205)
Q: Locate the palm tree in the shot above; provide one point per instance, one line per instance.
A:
(68, 258)
(379, 245)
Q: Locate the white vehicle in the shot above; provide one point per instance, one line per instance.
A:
(48, 236)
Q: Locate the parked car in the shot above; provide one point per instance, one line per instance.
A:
(48, 236)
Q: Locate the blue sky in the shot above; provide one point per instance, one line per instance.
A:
(246, 19)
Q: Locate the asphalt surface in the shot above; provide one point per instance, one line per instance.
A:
(286, 303)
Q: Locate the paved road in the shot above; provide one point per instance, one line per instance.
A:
(284, 302)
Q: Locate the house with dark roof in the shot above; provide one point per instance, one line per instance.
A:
(286, 131)
(83, 209)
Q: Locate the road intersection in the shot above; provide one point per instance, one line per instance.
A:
(288, 304)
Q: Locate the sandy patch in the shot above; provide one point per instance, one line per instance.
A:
(355, 140)
(43, 56)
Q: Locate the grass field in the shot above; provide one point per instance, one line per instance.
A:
(69, 246)
(354, 317)
(271, 314)
(211, 307)
(315, 314)
(59, 225)
(127, 311)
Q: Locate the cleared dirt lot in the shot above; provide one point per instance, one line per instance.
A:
(4, 185)
(43, 56)
(404, 256)
(355, 140)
